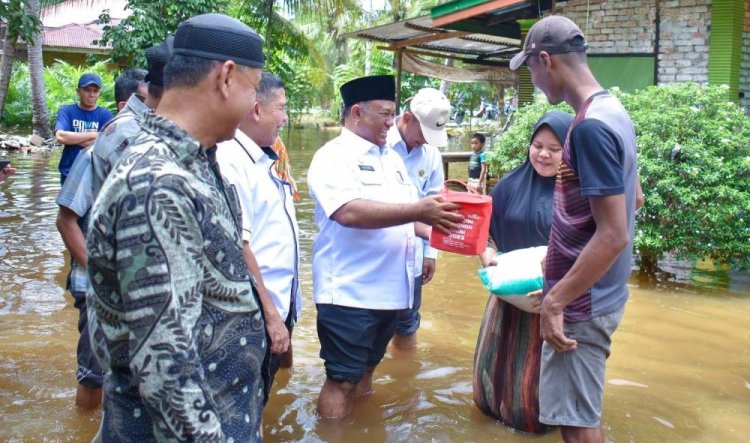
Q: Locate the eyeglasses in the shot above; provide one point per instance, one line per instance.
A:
(384, 115)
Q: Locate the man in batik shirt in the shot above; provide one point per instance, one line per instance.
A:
(177, 320)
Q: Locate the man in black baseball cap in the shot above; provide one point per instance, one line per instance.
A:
(589, 254)
(178, 322)
(554, 35)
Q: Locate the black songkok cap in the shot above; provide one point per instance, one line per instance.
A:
(157, 57)
(219, 37)
(364, 89)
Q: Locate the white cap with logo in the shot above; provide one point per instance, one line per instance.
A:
(432, 110)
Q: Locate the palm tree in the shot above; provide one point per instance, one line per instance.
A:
(40, 120)
(6, 64)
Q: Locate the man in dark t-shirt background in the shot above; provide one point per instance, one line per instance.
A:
(78, 124)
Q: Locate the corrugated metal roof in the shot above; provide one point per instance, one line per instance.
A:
(425, 37)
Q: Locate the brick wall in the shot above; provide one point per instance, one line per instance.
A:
(628, 27)
(684, 42)
(613, 26)
(745, 62)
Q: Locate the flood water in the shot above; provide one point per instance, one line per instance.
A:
(679, 371)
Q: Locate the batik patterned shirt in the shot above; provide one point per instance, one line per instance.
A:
(176, 321)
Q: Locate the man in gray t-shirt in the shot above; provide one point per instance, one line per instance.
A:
(590, 248)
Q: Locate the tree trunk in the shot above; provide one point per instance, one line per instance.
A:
(444, 85)
(6, 69)
(36, 73)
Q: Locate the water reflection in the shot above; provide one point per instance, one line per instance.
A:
(680, 368)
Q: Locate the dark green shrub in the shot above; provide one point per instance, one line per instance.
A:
(694, 161)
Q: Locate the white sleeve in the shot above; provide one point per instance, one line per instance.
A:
(435, 183)
(234, 173)
(436, 180)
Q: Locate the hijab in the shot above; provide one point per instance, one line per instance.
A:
(522, 199)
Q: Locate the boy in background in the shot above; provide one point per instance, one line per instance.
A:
(478, 165)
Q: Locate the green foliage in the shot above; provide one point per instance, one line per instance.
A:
(470, 95)
(298, 77)
(694, 162)
(289, 54)
(61, 80)
(20, 24)
(17, 110)
(149, 24)
(381, 63)
(412, 83)
(694, 159)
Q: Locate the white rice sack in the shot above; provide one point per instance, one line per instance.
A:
(516, 274)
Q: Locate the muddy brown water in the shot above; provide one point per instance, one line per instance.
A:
(679, 371)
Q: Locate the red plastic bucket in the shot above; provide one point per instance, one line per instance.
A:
(470, 237)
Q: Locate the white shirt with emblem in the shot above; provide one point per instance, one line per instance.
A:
(360, 268)
(425, 167)
(269, 222)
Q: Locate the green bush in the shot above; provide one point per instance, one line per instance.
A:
(694, 161)
(60, 82)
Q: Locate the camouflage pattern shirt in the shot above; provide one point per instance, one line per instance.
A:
(176, 320)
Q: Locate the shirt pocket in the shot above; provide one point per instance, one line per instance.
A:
(371, 181)
(403, 190)
(369, 175)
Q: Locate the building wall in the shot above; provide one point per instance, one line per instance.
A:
(629, 27)
(613, 26)
(745, 63)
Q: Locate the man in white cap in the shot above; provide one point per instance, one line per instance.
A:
(416, 136)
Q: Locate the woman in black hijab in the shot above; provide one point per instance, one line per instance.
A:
(508, 354)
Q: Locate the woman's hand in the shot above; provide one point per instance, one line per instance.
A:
(537, 304)
(488, 257)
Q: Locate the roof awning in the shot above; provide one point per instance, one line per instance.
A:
(418, 36)
(473, 31)
(488, 16)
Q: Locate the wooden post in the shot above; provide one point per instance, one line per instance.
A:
(399, 55)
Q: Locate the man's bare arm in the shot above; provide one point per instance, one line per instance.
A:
(75, 138)
(274, 324)
(608, 241)
(369, 214)
(67, 225)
